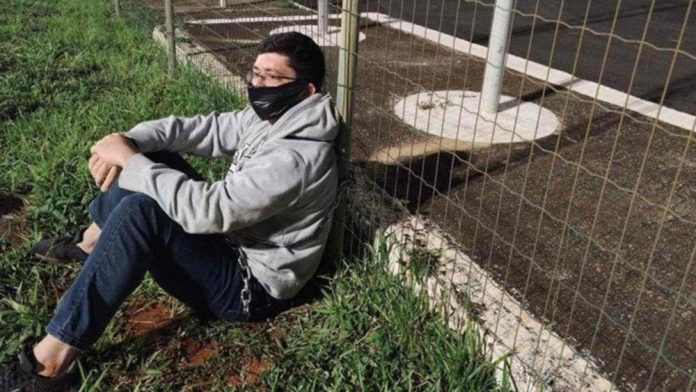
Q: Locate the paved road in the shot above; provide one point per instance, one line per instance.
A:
(471, 20)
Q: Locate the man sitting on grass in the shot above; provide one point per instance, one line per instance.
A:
(237, 249)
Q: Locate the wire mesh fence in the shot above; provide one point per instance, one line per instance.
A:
(563, 220)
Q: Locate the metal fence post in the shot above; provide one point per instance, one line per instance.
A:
(497, 49)
(347, 64)
(117, 8)
(323, 10)
(223, 3)
(347, 59)
(171, 44)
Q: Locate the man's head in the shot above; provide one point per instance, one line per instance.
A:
(293, 52)
(289, 67)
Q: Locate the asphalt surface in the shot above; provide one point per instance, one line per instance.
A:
(603, 56)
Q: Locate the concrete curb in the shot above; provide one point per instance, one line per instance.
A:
(540, 359)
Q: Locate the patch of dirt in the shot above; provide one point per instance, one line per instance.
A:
(9, 203)
(197, 353)
(276, 335)
(251, 373)
(147, 318)
(12, 220)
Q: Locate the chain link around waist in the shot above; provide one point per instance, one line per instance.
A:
(245, 294)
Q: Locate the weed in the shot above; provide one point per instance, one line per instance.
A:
(423, 262)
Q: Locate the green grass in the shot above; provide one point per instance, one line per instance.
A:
(71, 73)
(373, 333)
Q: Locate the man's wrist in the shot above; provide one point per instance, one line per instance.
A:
(124, 160)
(132, 142)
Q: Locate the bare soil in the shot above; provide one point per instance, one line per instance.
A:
(12, 220)
(197, 353)
(591, 228)
(162, 329)
(148, 319)
(251, 373)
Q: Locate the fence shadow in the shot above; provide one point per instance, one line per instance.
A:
(417, 180)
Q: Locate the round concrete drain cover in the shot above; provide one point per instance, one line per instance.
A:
(454, 114)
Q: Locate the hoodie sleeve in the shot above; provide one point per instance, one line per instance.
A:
(269, 183)
(214, 135)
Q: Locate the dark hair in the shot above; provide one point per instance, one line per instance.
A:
(306, 58)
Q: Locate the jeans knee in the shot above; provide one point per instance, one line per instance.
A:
(138, 213)
(138, 203)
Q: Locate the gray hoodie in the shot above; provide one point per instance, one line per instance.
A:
(276, 199)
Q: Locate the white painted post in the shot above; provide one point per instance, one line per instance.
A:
(223, 3)
(497, 49)
(323, 10)
(171, 43)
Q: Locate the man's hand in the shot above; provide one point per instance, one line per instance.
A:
(114, 149)
(102, 173)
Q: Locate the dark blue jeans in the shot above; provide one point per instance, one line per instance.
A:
(201, 270)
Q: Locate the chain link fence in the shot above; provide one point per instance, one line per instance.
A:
(560, 214)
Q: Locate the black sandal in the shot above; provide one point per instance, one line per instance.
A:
(61, 250)
(20, 375)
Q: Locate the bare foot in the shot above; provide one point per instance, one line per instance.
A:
(89, 238)
(53, 356)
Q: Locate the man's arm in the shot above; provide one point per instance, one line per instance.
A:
(268, 184)
(213, 135)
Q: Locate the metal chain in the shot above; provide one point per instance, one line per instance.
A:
(245, 294)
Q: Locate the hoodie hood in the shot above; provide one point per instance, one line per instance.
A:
(314, 118)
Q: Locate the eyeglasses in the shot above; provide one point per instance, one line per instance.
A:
(266, 79)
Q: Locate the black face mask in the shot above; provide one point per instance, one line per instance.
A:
(272, 102)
